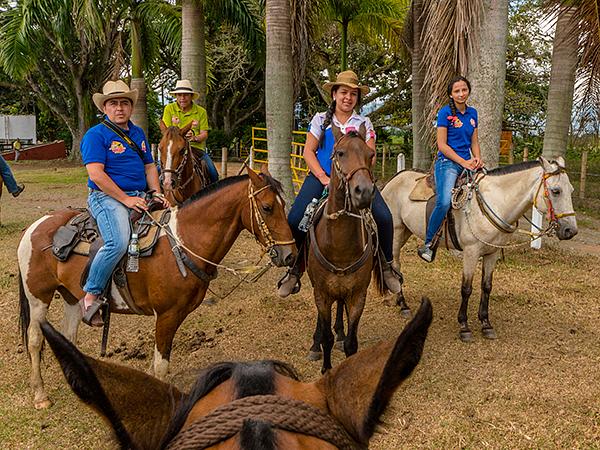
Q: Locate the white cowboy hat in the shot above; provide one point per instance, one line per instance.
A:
(114, 89)
(346, 78)
(184, 87)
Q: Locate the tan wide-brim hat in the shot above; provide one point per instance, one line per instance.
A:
(347, 78)
(114, 89)
(185, 87)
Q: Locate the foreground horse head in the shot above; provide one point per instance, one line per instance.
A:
(554, 198)
(258, 405)
(351, 167)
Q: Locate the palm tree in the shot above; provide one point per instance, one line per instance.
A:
(382, 18)
(279, 89)
(244, 14)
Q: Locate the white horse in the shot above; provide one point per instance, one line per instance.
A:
(487, 221)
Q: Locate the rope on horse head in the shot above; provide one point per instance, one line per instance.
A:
(283, 413)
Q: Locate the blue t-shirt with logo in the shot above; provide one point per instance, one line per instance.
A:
(326, 148)
(121, 162)
(460, 129)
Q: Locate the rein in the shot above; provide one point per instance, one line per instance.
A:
(282, 413)
(504, 226)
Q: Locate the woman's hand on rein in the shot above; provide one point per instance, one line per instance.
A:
(323, 178)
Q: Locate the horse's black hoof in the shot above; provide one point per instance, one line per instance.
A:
(406, 313)
(466, 335)
(314, 356)
(489, 333)
(339, 345)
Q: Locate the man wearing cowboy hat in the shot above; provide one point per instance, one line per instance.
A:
(184, 111)
(120, 167)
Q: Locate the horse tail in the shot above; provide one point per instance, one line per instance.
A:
(24, 312)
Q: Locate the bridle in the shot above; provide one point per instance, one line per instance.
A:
(255, 215)
(551, 214)
(178, 171)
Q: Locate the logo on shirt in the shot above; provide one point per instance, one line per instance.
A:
(473, 122)
(175, 120)
(144, 146)
(117, 147)
(455, 121)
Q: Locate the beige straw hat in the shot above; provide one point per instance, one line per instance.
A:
(184, 87)
(347, 78)
(114, 89)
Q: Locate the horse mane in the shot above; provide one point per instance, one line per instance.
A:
(221, 184)
(518, 167)
(250, 378)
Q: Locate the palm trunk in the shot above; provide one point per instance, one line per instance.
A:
(421, 153)
(488, 73)
(193, 50)
(344, 45)
(279, 92)
(139, 115)
(562, 84)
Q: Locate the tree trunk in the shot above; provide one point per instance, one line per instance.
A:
(421, 149)
(562, 84)
(279, 92)
(488, 73)
(139, 115)
(344, 45)
(193, 51)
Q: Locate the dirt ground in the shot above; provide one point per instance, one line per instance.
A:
(536, 386)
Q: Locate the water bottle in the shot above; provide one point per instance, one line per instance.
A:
(308, 214)
(133, 252)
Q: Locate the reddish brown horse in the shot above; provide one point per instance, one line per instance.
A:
(182, 174)
(205, 227)
(253, 405)
(342, 253)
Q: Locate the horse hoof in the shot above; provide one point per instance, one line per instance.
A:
(466, 336)
(339, 345)
(43, 404)
(314, 356)
(489, 333)
(406, 313)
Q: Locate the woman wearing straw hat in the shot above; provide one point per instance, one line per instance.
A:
(120, 167)
(184, 111)
(346, 93)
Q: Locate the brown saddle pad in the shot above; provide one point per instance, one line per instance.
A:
(424, 189)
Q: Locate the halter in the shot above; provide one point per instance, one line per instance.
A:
(551, 215)
(255, 214)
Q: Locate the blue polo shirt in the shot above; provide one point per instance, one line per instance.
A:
(326, 148)
(460, 130)
(121, 162)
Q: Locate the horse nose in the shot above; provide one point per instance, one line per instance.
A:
(289, 260)
(567, 233)
(363, 195)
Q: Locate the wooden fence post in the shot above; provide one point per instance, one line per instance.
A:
(384, 151)
(584, 158)
(223, 162)
(525, 153)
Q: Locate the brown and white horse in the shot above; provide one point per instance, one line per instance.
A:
(182, 174)
(251, 405)
(205, 228)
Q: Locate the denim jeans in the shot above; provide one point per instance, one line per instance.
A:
(312, 188)
(7, 176)
(212, 170)
(446, 173)
(114, 224)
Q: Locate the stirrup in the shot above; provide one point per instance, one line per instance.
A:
(89, 313)
(390, 272)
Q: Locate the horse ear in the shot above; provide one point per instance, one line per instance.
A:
(337, 133)
(183, 131)
(254, 178)
(362, 131)
(561, 162)
(137, 406)
(264, 169)
(547, 165)
(360, 388)
(163, 127)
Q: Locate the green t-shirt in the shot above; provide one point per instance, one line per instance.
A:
(174, 116)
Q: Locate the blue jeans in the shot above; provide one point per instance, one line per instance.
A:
(312, 188)
(114, 224)
(212, 170)
(7, 176)
(446, 173)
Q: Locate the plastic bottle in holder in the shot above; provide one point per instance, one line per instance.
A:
(308, 214)
(133, 252)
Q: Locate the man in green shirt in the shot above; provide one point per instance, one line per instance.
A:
(184, 111)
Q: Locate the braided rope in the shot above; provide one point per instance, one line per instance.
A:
(283, 413)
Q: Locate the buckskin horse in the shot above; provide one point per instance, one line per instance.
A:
(205, 228)
(182, 174)
(341, 251)
(251, 405)
(487, 221)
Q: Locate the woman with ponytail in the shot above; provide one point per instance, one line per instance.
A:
(458, 146)
(346, 94)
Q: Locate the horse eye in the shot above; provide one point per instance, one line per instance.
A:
(555, 191)
(340, 153)
(267, 208)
